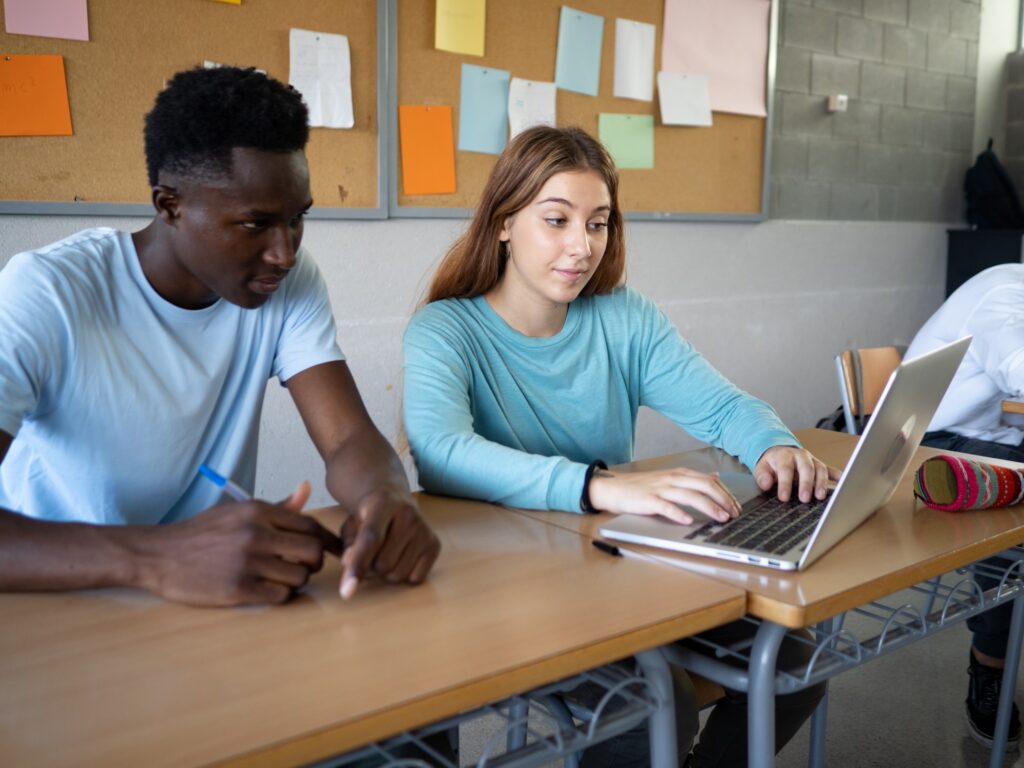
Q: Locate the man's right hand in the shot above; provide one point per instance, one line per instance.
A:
(240, 553)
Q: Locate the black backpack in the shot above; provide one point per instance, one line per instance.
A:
(992, 201)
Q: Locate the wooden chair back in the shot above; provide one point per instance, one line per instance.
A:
(863, 373)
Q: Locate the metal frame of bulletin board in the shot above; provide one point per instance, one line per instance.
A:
(135, 46)
(435, 71)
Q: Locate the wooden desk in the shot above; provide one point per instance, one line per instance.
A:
(1013, 406)
(116, 677)
(902, 544)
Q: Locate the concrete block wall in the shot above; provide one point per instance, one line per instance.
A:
(900, 151)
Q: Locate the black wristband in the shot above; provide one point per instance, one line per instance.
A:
(585, 504)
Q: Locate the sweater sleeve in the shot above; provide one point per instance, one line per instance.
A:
(679, 383)
(451, 458)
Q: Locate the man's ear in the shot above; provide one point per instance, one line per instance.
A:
(167, 203)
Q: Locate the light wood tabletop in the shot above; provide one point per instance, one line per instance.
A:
(116, 677)
(1013, 406)
(901, 544)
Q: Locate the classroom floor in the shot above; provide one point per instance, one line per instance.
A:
(900, 711)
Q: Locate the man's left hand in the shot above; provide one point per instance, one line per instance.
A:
(386, 536)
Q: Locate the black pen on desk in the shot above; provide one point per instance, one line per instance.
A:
(604, 546)
(614, 551)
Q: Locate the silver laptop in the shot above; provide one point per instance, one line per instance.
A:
(790, 535)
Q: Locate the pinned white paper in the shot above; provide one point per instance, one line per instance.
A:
(320, 67)
(530, 102)
(634, 60)
(684, 99)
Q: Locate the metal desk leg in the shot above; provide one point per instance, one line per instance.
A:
(761, 695)
(1009, 684)
(662, 725)
(518, 715)
(819, 720)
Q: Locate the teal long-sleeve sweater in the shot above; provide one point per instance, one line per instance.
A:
(495, 415)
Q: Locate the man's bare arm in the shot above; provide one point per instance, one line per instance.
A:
(384, 532)
(236, 553)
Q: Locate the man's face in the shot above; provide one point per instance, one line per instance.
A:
(235, 238)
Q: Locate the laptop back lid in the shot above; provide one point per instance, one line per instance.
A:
(887, 445)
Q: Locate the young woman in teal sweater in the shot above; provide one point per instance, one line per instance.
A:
(526, 368)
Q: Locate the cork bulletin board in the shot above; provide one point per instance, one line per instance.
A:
(135, 47)
(699, 173)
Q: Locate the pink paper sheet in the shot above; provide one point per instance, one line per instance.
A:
(48, 18)
(727, 40)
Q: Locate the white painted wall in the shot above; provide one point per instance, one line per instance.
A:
(1000, 27)
(770, 304)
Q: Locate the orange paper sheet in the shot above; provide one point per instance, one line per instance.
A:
(33, 96)
(428, 150)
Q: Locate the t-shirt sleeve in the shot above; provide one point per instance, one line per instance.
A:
(678, 382)
(450, 456)
(308, 335)
(35, 329)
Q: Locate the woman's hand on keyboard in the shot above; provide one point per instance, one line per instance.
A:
(663, 492)
(785, 466)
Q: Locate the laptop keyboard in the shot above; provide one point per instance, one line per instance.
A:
(766, 525)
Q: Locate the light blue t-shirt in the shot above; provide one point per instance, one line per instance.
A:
(495, 415)
(115, 396)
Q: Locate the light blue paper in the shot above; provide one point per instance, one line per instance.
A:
(483, 109)
(578, 62)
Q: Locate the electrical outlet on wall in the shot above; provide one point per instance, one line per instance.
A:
(837, 102)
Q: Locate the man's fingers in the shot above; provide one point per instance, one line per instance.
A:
(291, 575)
(358, 557)
(297, 548)
(423, 565)
(258, 591)
(299, 497)
(284, 520)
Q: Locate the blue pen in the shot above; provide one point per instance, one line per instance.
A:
(236, 492)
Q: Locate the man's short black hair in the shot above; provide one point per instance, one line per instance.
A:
(203, 114)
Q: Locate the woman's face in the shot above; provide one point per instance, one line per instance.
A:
(557, 241)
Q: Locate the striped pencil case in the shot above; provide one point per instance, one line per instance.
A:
(952, 483)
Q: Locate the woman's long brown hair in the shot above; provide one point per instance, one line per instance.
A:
(476, 261)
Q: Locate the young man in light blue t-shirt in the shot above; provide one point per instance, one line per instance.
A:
(127, 360)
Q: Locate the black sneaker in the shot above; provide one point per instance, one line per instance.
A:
(983, 705)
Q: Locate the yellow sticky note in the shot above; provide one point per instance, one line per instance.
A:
(233, 2)
(459, 26)
(33, 96)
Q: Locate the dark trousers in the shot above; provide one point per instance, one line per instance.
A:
(991, 629)
(723, 742)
